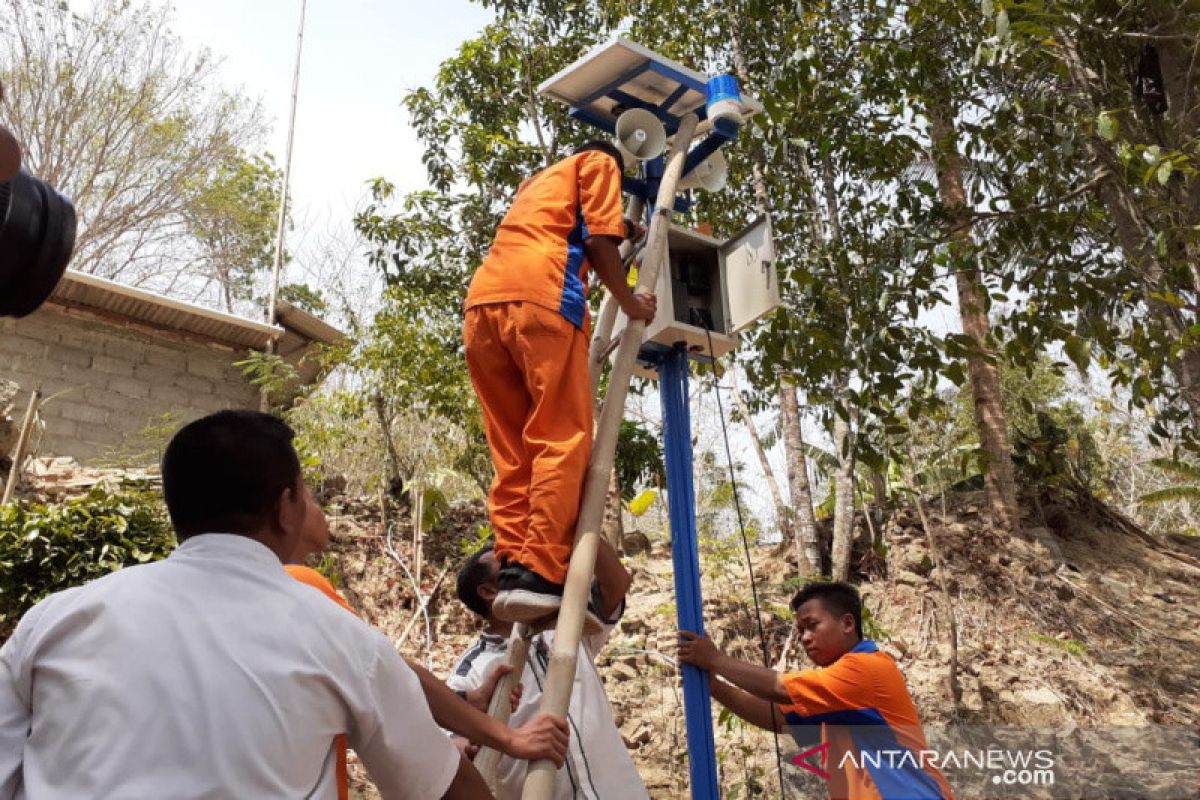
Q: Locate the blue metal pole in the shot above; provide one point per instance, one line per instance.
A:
(681, 495)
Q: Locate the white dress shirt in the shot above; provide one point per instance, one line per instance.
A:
(598, 765)
(210, 674)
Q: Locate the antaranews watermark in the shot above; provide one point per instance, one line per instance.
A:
(980, 762)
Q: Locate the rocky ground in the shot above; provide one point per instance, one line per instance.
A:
(1082, 624)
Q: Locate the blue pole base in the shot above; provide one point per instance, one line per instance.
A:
(681, 495)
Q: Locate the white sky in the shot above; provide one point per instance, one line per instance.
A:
(360, 58)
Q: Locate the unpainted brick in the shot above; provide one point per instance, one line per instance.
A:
(155, 375)
(114, 366)
(166, 357)
(71, 357)
(130, 387)
(194, 385)
(81, 412)
(206, 366)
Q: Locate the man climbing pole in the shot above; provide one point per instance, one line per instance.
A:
(526, 335)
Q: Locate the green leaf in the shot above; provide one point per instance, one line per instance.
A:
(1164, 172)
(1172, 493)
(1002, 25)
(1169, 298)
(1107, 126)
(1080, 352)
(1176, 466)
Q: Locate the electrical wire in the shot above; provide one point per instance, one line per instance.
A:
(737, 504)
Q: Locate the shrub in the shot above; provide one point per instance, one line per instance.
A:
(48, 548)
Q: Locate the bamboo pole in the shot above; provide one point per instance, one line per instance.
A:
(418, 518)
(14, 474)
(556, 697)
(488, 760)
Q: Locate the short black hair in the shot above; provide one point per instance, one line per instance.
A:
(838, 598)
(471, 575)
(224, 473)
(603, 147)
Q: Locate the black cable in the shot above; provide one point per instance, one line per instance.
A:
(737, 504)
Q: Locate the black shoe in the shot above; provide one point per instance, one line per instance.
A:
(525, 596)
(592, 621)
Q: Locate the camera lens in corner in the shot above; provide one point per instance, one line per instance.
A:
(37, 237)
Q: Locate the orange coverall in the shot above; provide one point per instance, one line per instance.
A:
(526, 333)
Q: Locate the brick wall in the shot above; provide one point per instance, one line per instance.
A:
(119, 381)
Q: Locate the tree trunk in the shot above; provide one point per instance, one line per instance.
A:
(395, 474)
(613, 526)
(843, 492)
(782, 513)
(999, 478)
(808, 547)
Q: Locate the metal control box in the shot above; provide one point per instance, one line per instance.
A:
(710, 292)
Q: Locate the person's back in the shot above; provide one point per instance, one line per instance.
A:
(538, 252)
(213, 673)
(525, 336)
(238, 693)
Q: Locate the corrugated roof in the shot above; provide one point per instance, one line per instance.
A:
(295, 334)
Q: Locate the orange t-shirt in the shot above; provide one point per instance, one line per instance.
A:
(868, 720)
(538, 254)
(315, 579)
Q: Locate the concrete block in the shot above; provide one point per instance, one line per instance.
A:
(29, 371)
(169, 397)
(154, 375)
(111, 365)
(83, 412)
(17, 345)
(81, 451)
(125, 349)
(166, 357)
(71, 356)
(194, 385)
(107, 435)
(61, 429)
(130, 387)
(113, 401)
(45, 328)
(208, 366)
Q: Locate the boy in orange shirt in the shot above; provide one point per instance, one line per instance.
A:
(526, 335)
(858, 698)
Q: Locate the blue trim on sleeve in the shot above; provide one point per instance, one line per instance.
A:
(572, 304)
(896, 769)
